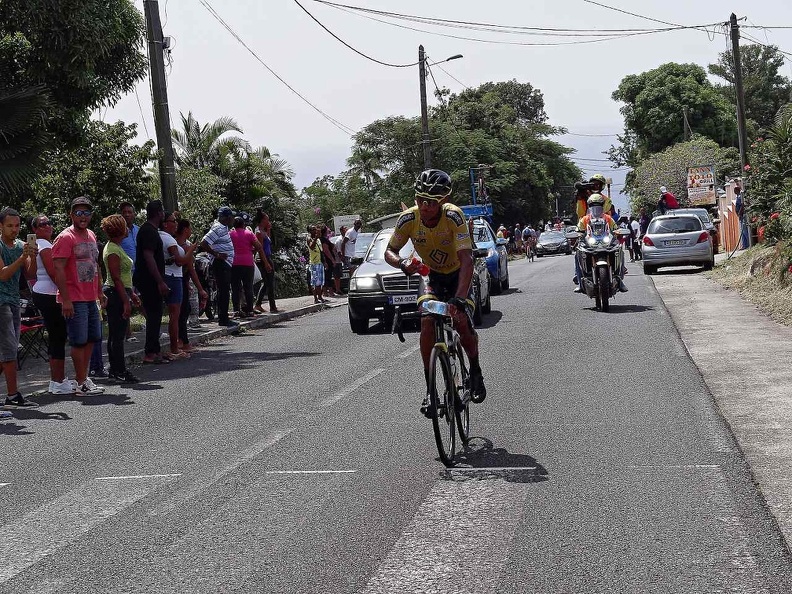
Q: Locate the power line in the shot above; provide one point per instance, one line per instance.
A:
(588, 135)
(452, 76)
(344, 128)
(337, 38)
(357, 12)
(142, 117)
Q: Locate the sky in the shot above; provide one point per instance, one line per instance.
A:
(212, 75)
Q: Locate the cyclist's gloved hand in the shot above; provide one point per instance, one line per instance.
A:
(458, 302)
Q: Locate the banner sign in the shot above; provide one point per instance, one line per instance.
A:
(701, 184)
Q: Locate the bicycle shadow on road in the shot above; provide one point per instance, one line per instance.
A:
(629, 308)
(9, 427)
(481, 460)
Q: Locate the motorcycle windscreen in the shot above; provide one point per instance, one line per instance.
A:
(596, 211)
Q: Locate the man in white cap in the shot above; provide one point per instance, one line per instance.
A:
(667, 200)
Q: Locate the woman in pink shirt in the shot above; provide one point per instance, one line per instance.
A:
(245, 246)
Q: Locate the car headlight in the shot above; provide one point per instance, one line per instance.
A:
(492, 252)
(364, 283)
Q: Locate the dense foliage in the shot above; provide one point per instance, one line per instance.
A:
(503, 125)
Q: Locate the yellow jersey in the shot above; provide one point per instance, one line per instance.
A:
(437, 246)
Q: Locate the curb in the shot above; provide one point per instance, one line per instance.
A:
(253, 324)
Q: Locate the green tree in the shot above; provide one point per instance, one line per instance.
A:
(23, 138)
(669, 168)
(85, 53)
(766, 90)
(107, 167)
(654, 103)
(206, 146)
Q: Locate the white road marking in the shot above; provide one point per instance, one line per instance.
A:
(52, 526)
(674, 466)
(351, 388)
(135, 476)
(309, 471)
(457, 542)
(4, 484)
(199, 485)
(409, 352)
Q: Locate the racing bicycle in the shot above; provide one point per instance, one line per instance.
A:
(449, 378)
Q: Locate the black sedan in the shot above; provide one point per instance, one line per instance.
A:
(552, 242)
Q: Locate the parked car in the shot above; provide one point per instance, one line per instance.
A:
(706, 220)
(553, 242)
(675, 239)
(362, 244)
(497, 258)
(376, 287)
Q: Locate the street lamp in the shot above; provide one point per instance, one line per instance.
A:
(427, 151)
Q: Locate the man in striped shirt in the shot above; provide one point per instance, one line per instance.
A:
(217, 243)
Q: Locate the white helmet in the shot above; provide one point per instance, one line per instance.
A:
(663, 189)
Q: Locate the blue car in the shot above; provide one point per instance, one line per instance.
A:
(497, 258)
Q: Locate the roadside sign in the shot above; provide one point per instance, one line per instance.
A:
(701, 184)
(344, 221)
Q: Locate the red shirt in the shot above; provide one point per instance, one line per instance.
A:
(243, 240)
(82, 263)
(670, 200)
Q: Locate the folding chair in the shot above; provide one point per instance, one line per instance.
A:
(32, 341)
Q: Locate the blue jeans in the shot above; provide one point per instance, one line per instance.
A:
(578, 271)
(85, 325)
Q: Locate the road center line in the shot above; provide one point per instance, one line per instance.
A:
(45, 530)
(350, 388)
(199, 485)
(4, 484)
(309, 471)
(458, 540)
(409, 352)
(135, 476)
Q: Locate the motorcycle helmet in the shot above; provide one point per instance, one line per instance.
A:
(596, 200)
(433, 184)
(598, 177)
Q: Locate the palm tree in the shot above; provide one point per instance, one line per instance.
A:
(23, 137)
(204, 146)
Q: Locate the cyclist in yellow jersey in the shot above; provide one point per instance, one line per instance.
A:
(441, 237)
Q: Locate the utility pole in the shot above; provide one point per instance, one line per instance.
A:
(738, 85)
(159, 99)
(427, 149)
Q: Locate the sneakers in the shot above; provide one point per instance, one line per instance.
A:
(97, 373)
(88, 388)
(479, 391)
(622, 286)
(577, 290)
(67, 386)
(4, 414)
(18, 401)
(124, 378)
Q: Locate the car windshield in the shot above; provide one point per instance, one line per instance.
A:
(551, 237)
(674, 225)
(380, 244)
(362, 243)
(481, 234)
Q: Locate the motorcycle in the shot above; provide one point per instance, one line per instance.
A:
(599, 253)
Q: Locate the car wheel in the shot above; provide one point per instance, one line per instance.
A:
(649, 270)
(487, 307)
(709, 265)
(505, 283)
(358, 325)
(495, 286)
(477, 318)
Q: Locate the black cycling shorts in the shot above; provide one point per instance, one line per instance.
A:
(443, 287)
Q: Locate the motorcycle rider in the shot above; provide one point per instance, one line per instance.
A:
(596, 209)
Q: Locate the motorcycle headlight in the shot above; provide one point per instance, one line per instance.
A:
(365, 283)
(591, 241)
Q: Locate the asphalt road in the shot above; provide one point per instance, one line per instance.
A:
(294, 459)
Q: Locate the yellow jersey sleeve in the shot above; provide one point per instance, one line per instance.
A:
(456, 219)
(405, 229)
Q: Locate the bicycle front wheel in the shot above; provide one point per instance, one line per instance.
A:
(441, 392)
(462, 404)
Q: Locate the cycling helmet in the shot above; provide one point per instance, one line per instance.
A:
(598, 177)
(596, 200)
(433, 184)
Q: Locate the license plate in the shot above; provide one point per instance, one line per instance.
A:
(402, 299)
(345, 275)
(676, 242)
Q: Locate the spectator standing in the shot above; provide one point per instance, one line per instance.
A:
(96, 367)
(76, 257)
(267, 266)
(636, 238)
(190, 282)
(119, 295)
(217, 243)
(332, 273)
(349, 241)
(518, 239)
(129, 244)
(175, 258)
(315, 263)
(16, 255)
(643, 221)
(44, 292)
(149, 279)
(245, 245)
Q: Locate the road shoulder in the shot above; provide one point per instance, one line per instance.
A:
(744, 358)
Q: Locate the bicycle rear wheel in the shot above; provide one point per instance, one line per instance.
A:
(462, 405)
(441, 392)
